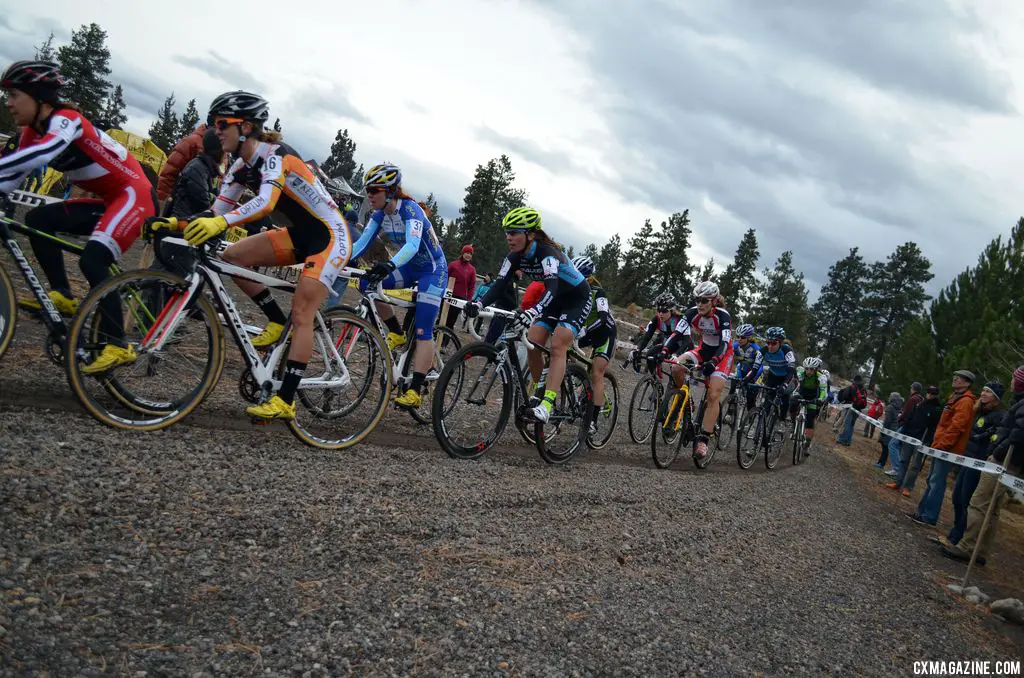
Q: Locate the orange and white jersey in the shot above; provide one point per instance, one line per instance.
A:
(282, 182)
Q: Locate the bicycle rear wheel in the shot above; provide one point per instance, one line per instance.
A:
(161, 386)
(643, 409)
(607, 413)
(472, 401)
(8, 311)
(772, 441)
(346, 387)
(798, 440)
(728, 422)
(446, 344)
(562, 436)
(712, 444)
(748, 438)
(666, 439)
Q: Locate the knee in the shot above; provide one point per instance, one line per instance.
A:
(95, 262)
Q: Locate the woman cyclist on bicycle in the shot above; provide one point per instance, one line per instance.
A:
(599, 332)
(778, 362)
(812, 387)
(709, 321)
(662, 324)
(318, 234)
(57, 134)
(559, 314)
(744, 354)
(420, 262)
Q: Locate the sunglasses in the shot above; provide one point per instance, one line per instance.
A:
(515, 231)
(702, 300)
(222, 124)
(374, 190)
(774, 341)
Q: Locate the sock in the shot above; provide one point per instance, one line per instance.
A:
(293, 370)
(265, 300)
(393, 325)
(549, 399)
(593, 412)
(417, 381)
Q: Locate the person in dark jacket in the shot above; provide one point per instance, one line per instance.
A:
(988, 418)
(1009, 437)
(920, 423)
(856, 396)
(892, 413)
(196, 186)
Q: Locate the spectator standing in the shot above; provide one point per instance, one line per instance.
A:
(876, 408)
(988, 419)
(951, 435)
(463, 273)
(855, 395)
(892, 413)
(895, 444)
(181, 155)
(920, 424)
(197, 185)
(1010, 438)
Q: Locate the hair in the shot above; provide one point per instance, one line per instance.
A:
(541, 234)
(592, 279)
(402, 195)
(267, 135)
(719, 301)
(67, 105)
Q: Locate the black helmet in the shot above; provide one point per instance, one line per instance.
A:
(239, 104)
(38, 79)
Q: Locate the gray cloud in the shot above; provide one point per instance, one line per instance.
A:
(222, 68)
(749, 104)
(527, 149)
(332, 100)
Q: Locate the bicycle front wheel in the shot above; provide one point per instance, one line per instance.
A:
(772, 441)
(607, 413)
(472, 401)
(156, 387)
(667, 437)
(8, 312)
(643, 409)
(729, 422)
(346, 387)
(563, 435)
(798, 440)
(748, 439)
(705, 461)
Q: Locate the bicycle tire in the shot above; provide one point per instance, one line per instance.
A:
(378, 352)
(642, 392)
(8, 312)
(443, 427)
(798, 439)
(727, 430)
(574, 397)
(699, 424)
(748, 439)
(669, 442)
(428, 384)
(162, 414)
(611, 386)
(772, 452)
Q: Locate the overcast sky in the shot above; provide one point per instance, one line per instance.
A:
(823, 125)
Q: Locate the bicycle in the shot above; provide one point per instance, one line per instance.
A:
(757, 431)
(446, 342)
(56, 326)
(476, 386)
(730, 415)
(643, 403)
(681, 423)
(187, 327)
(799, 425)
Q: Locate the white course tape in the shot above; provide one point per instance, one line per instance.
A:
(1012, 482)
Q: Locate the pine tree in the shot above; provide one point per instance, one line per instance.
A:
(341, 162)
(913, 357)
(164, 132)
(636, 268)
(895, 295)
(277, 125)
(114, 110)
(784, 302)
(437, 221)
(837, 312)
(85, 63)
(571, 252)
(189, 120)
(606, 265)
(708, 273)
(738, 283)
(45, 51)
(672, 270)
(488, 198)
(356, 181)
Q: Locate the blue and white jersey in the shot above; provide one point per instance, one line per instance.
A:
(745, 359)
(779, 362)
(408, 227)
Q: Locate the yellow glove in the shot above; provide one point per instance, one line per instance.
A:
(204, 228)
(154, 224)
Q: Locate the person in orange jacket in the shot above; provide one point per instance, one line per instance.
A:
(182, 153)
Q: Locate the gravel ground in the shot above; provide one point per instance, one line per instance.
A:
(220, 549)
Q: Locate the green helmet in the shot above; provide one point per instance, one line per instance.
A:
(521, 218)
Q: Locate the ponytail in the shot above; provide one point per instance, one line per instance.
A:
(268, 136)
(545, 238)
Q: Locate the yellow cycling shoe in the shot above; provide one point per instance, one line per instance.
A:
(65, 306)
(110, 357)
(275, 408)
(395, 340)
(269, 336)
(409, 399)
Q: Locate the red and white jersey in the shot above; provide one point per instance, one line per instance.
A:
(85, 155)
(713, 329)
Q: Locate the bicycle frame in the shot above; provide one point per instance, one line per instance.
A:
(208, 272)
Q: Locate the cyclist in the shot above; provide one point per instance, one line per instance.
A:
(745, 350)
(709, 321)
(813, 388)
(776, 362)
(662, 324)
(318, 234)
(56, 133)
(562, 309)
(420, 261)
(599, 332)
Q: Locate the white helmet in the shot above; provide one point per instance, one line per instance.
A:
(812, 363)
(583, 264)
(705, 289)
